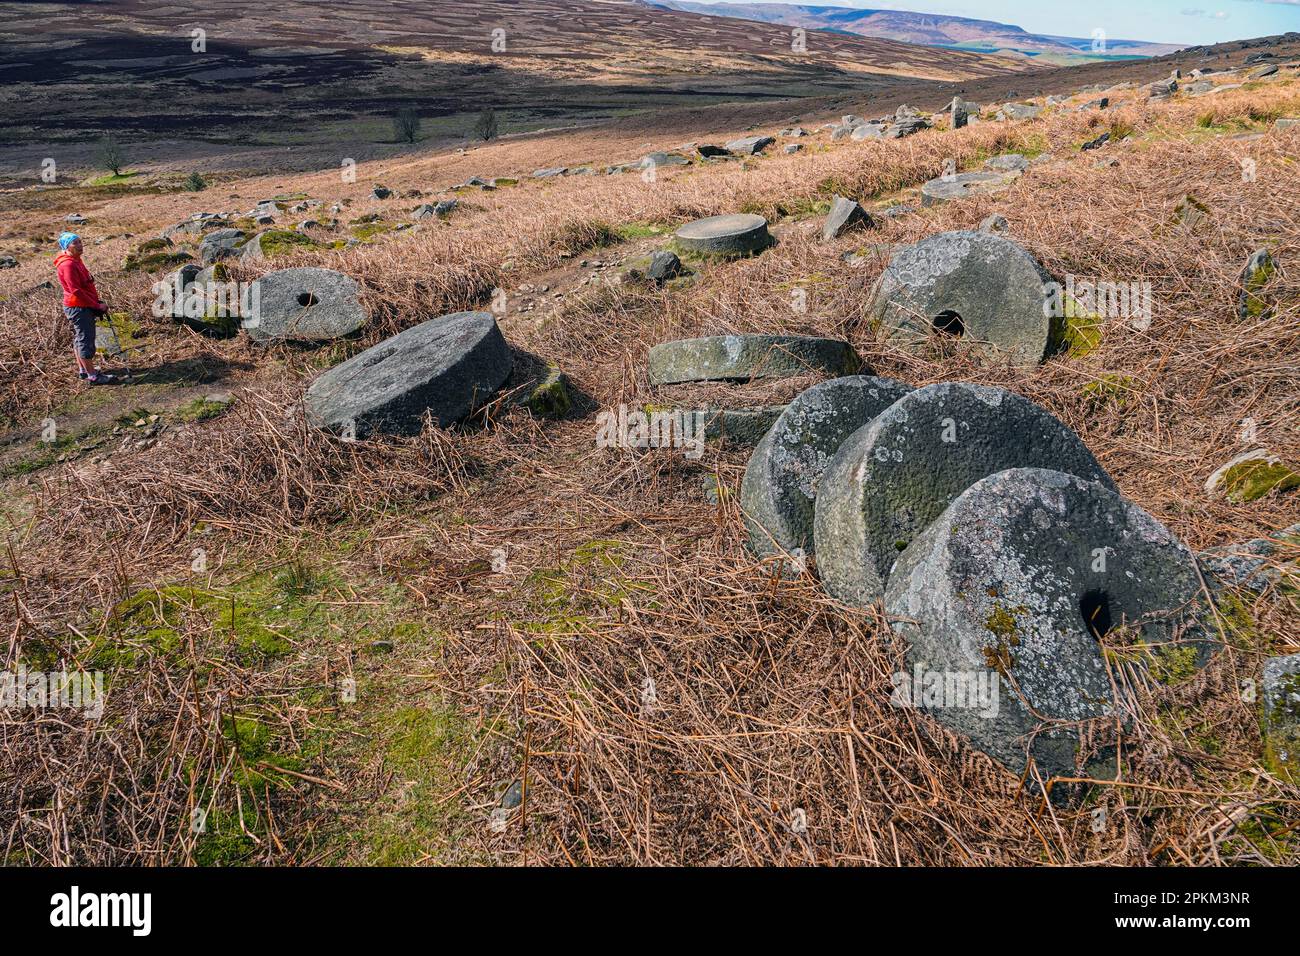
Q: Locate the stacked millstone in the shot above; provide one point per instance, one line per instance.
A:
(996, 543)
(746, 358)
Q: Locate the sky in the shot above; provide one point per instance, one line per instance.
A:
(1185, 22)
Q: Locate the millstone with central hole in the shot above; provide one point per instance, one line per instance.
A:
(731, 235)
(720, 358)
(895, 475)
(1011, 588)
(780, 485)
(973, 286)
(302, 305)
(446, 366)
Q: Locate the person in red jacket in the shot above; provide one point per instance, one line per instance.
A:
(81, 305)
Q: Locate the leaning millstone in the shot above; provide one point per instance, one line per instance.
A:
(963, 186)
(446, 367)
(845, 215)
(896, 474)
(780, 484)
(751, 145)
(1007, 163)
(302, 305)
(745, 357)
(220, 244)
(1258, 271)
(734, 234)
(970, 285)
(1011, 588)
(1252, 475)
(1280, 701)
(1258, 564)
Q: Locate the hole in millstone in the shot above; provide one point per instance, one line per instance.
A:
(306, 298)
(949, 322)
(1095, 608)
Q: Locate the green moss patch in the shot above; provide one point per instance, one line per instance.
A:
(1251, 480)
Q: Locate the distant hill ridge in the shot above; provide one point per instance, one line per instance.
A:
(931, 29)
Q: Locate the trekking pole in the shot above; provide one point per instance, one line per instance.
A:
(117, 342)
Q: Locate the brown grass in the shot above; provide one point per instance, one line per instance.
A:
(771, 699)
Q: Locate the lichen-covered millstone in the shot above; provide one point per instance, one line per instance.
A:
(446, 366)
(302, 305)
(780, 484)
(1280, 702)
(896, 474)
(1011, 588)
(734, 234)
(963, 186)
(977, 286)
(722, 358)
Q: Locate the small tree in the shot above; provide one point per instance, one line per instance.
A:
(406, 126)
(195, 183)
(111, 156)
(486, 127)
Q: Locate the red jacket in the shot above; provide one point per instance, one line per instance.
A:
(78, 287)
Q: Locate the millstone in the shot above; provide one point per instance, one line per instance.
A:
(734, 234)
(445, 366)
(302, 305)
(745, 357)
(963, 186)
(780, 484)
(895, 475)
(971, 285)
(750, 145)
(1281, 706)
(1013, 584)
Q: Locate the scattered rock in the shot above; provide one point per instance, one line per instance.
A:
(75, 219)
(445, 208)
(895, 475)
(8, 262)
(750, 146)
(1014, 583)
(1191, 212)
(1258, 564)
(446, 366)
(550, 397)
(1259, 269)
(959, 111)
(1260, 72)
(971, 285)
(845, 215)
(781, 481)
(220, 244)
(656, 160)
(1287, 122)
(995, 223)
(664, 266)
(1097, 143)
(791, 148)
(745, 357)
(381, 192)
(712, 152)
(1280, 702)
(1252, 475)
(1007, 163)
(734, 234)
(963, 186)
(1021, 111)
(303, 305)
(550, 173)
(866, 131)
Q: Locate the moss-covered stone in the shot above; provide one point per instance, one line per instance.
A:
(550, 397)
(1253, 475)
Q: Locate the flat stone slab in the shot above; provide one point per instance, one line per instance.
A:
(1011, 587)
(1257, 564)
(963, 186)
(750, 145)
(740, 358)
(302, 305)
(446, 366)
(781, 481)
(1007, 163)
(976, 286)
(895, 475)
(734, 234)
(845, 215)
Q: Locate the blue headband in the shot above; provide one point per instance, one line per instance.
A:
(67, 239)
